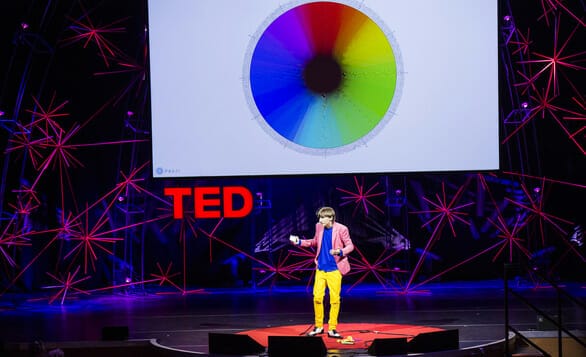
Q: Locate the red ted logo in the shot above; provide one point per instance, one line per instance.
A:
(213, 201)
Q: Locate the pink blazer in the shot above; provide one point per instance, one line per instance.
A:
(340, 240)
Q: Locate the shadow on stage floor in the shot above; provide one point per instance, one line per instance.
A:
(182, 324)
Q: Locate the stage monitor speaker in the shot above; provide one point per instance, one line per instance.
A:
(233, 344)
(296, 346)
(388, 347)
(543, 324)
(435, 341)
(114, 333)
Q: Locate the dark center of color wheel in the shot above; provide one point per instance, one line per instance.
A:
(322, 74)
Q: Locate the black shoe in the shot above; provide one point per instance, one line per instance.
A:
(334, 334)
(316, 331)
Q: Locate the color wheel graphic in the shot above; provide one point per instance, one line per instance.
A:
(323, 76)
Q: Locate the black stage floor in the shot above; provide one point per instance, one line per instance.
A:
(183, 322)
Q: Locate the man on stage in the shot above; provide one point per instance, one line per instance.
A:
(333, 243)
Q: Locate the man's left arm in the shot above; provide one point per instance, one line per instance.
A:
(347, 241)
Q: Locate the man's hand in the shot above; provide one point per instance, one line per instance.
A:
(335, 251)
(294, 239)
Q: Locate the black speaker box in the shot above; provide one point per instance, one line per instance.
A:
(114, 333)
(233, 344)
(296, 346)
(543, 324)
(388, 347)
(435, 341)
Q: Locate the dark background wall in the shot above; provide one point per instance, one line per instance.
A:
(77, 195)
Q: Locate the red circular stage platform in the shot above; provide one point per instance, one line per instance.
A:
(375, 338)
(362, 334)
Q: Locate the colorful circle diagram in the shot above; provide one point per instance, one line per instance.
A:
(322, 75)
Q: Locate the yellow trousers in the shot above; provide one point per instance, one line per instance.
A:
(333, 281)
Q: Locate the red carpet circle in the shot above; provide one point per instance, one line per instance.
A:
(362, 333)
